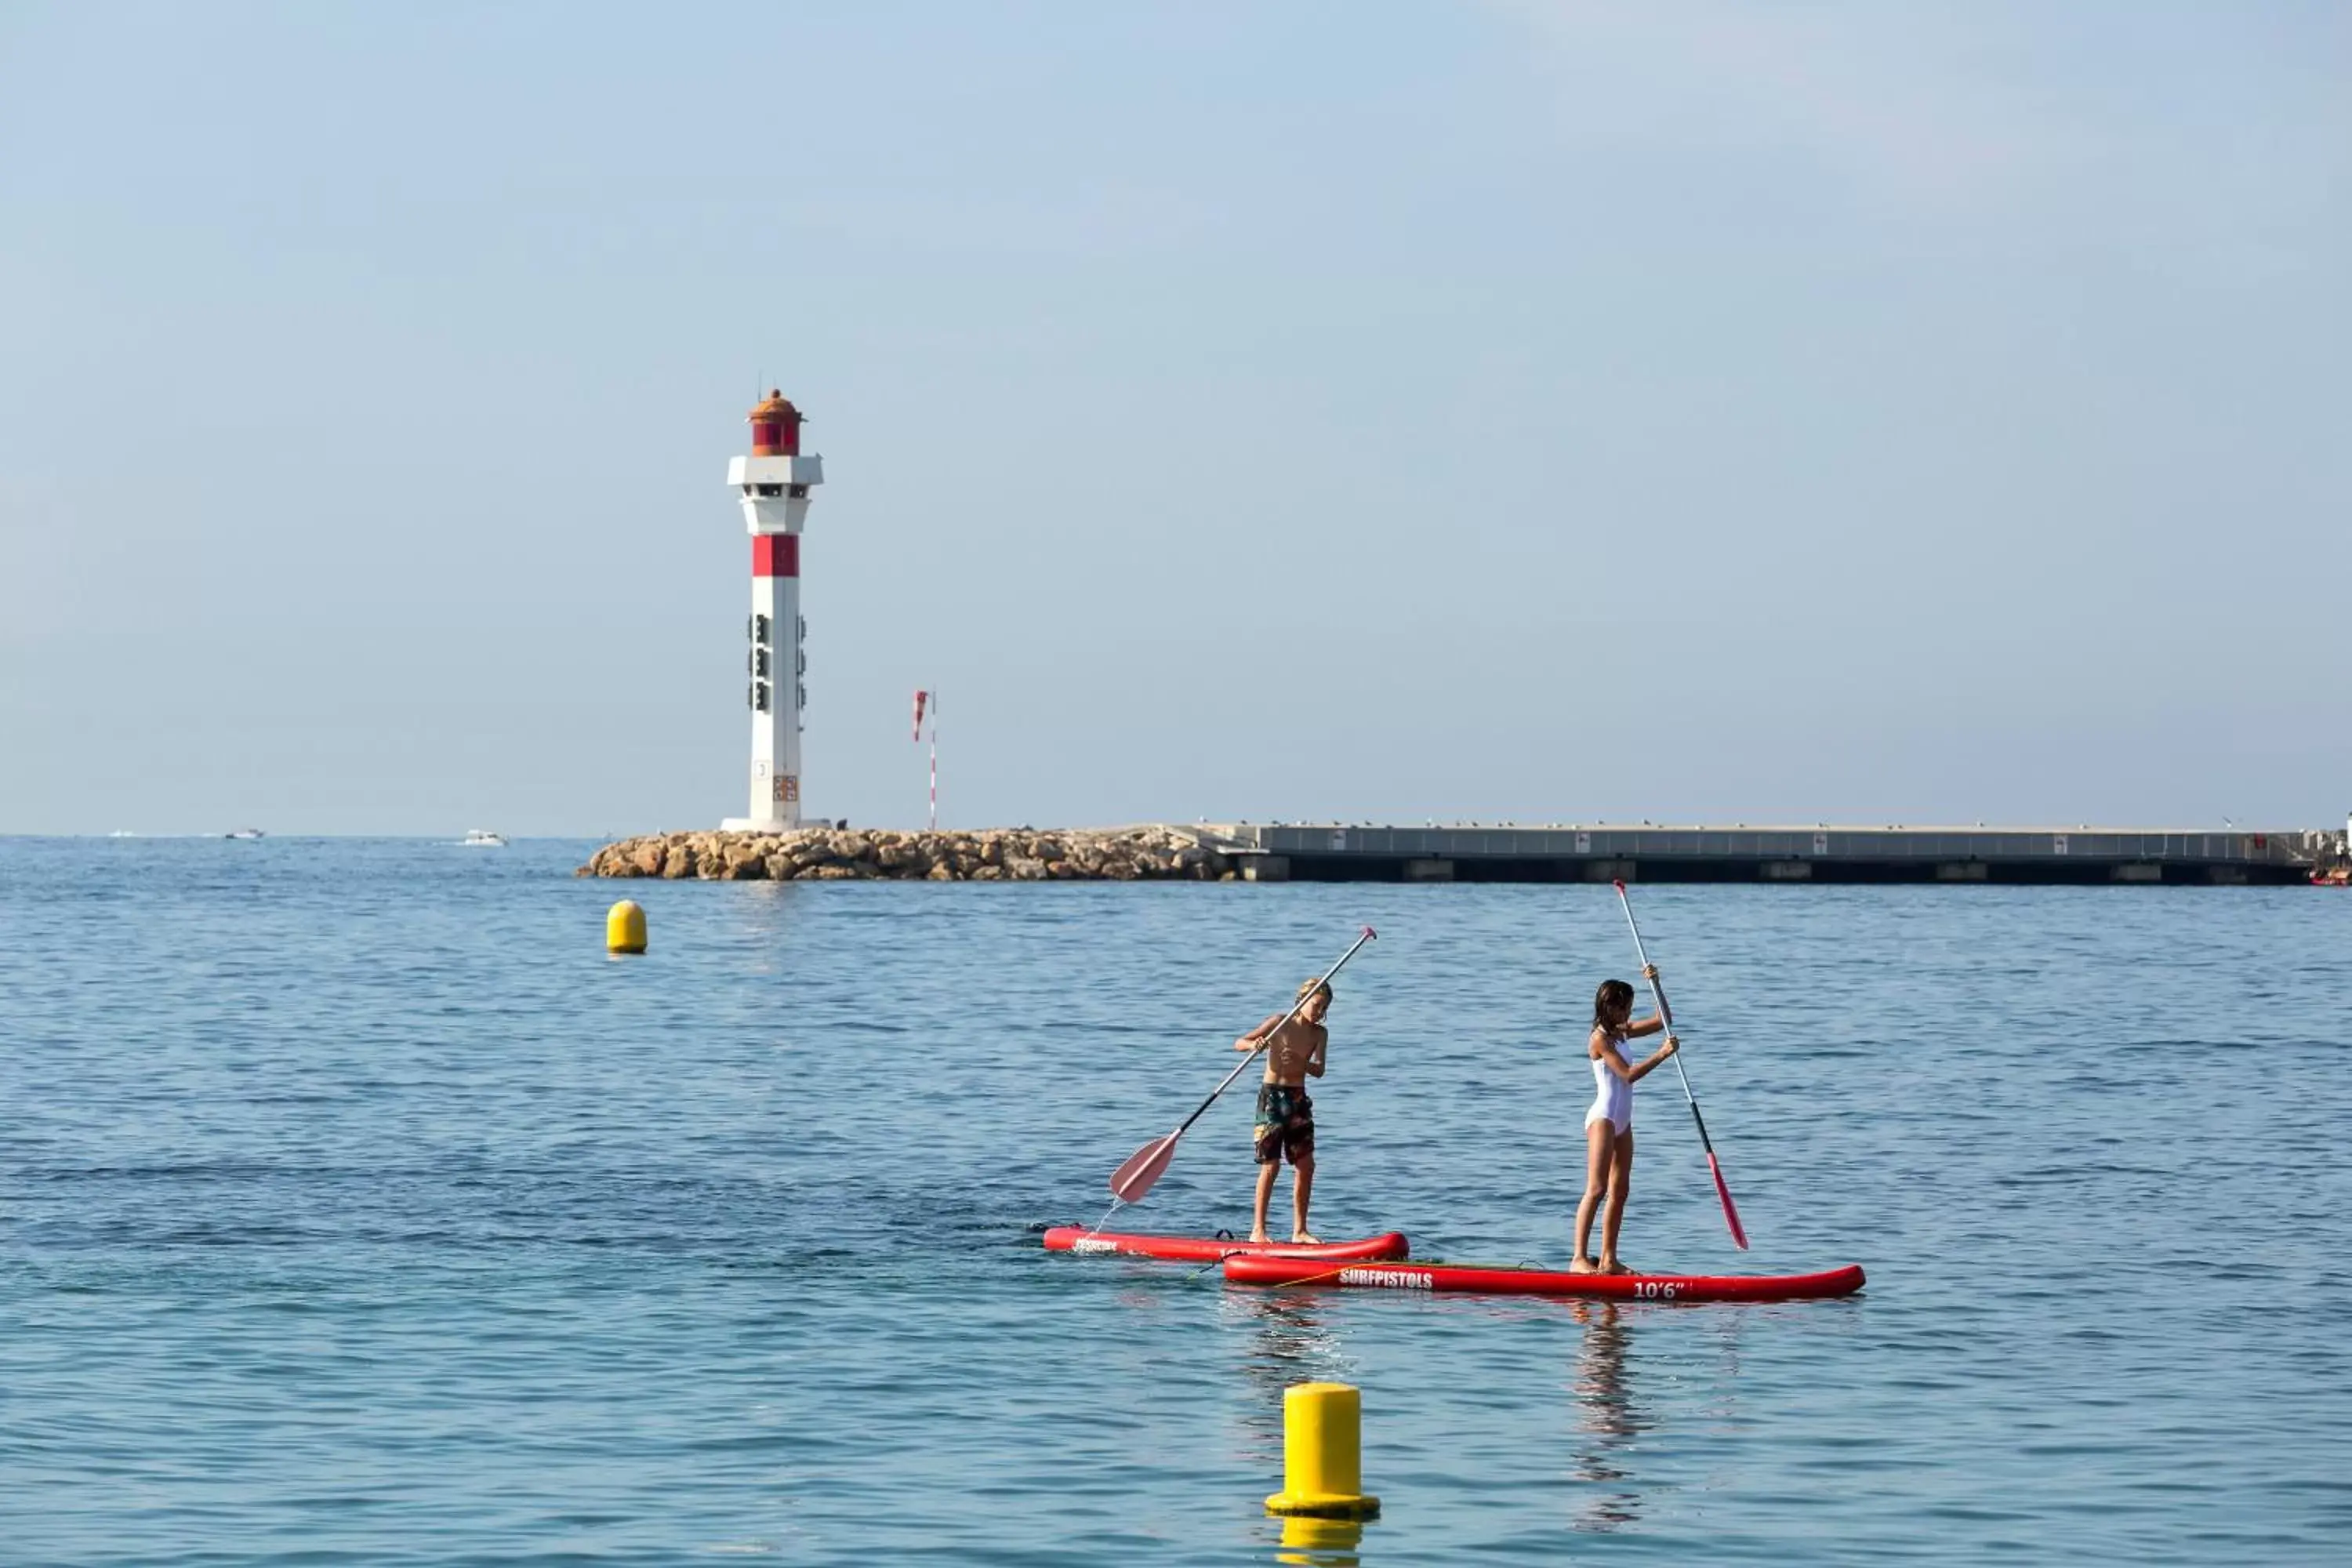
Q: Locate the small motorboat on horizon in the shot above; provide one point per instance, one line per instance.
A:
(482, 838)
(243, 833)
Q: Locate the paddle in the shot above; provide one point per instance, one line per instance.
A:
(1133, 1180)
(1722, 1190)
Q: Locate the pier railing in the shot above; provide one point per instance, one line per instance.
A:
(1573, 852)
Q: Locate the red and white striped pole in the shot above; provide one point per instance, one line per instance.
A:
(932, 701)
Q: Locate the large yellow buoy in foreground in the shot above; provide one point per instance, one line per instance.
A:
(1322, 1454)
(625, 927)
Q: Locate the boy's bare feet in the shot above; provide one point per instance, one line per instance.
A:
(1584, 1265)
(1301, 1238)
(1611, 1266)
(1258, 1237)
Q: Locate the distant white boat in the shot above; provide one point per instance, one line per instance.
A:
(483, 838)
(242, 833)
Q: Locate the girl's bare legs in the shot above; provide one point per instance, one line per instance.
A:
(1599, 1144)
(1621, 1183)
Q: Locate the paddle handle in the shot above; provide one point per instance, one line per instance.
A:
(1369, 935)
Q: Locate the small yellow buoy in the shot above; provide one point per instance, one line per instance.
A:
(1322, 1454)
(625, 927)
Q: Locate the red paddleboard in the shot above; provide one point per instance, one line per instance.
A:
(1508, 1281)
(1209, 1249)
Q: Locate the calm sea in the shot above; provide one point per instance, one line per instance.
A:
(354, 1207)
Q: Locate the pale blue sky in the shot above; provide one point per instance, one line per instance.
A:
(1864, 411)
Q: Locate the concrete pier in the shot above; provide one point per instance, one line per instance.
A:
(1353, 852)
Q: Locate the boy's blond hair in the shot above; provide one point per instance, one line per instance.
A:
(1310, 987)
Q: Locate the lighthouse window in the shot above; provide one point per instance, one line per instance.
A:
(758, 628)
(759, 696)
(759, 661)
(772, 489)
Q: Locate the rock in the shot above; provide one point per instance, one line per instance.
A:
(910, 855)
(1024, 868)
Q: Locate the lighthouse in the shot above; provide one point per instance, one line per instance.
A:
(773, 483)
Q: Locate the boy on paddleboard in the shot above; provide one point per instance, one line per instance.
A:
(1608, 1125)
(1285, 1117)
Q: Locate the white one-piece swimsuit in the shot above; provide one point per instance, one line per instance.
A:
(1613, 1100)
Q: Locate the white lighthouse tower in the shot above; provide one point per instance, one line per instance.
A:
(774, 482)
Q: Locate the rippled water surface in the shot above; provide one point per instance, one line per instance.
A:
(356, 1207)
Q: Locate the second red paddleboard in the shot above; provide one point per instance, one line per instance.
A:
(1508, 1281)
(1208, 1249)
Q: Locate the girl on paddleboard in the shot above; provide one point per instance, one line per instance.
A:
(1608, 1125)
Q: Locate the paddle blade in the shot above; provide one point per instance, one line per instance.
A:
(1133, 1180)
(1730, 1209)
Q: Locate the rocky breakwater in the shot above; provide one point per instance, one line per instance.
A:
(994, 855)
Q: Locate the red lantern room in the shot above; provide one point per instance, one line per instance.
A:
(775, 428)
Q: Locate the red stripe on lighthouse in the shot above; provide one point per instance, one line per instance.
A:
(775, 555)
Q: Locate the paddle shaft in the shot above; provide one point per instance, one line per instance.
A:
(1296, 1008)
(1667, 1017)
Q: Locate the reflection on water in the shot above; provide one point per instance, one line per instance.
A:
(1321, 1542)
(1289, 1342)
(1609, 1416)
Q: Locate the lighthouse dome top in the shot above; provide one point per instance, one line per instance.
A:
(775, 427)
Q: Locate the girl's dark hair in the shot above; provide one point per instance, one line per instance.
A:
(1613, 995)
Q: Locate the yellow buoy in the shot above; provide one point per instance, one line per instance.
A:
(1322, 1454)
(625, 927)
